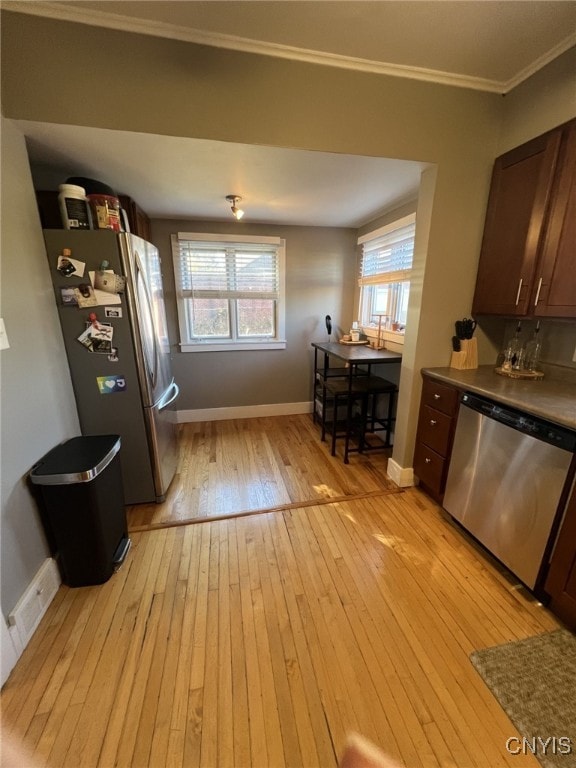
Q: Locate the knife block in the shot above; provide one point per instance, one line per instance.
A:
(467, 357)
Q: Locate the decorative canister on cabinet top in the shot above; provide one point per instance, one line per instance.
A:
(74, 208)
(105, 211)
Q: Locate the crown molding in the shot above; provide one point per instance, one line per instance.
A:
(55, 10)
(540, 63)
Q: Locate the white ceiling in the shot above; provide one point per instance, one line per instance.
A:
(185, 178)
(484, 44)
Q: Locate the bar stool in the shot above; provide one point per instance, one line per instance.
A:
(365, 391)
(321, 375)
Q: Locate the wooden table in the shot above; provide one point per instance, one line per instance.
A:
(355, 356)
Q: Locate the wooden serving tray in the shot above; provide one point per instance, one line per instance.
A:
(534, 375)
(353, 343)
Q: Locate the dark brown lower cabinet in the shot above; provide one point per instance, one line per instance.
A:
(436, 425)
(561, 579)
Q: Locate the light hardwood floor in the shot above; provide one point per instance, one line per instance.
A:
(261, 640)
(229, 467)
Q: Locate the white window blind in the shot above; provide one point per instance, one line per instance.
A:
(387, 254)
(236, 271)
(229, 291)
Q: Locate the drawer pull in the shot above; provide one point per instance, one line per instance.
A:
(427, 461)
(433, 422)
(436, 397)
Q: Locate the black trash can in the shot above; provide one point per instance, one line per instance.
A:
(80, 483)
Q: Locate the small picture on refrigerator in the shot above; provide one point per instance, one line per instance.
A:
(85, 296)
(69, 297)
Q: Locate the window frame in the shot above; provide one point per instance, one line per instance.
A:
(190, 344)
(371, 283)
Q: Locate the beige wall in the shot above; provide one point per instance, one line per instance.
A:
(140, 83)
(320, 268)
(544, 101)
(162, 86)
(37, 407)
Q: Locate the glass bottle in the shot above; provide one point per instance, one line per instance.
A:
(513, 351)
(533, 350)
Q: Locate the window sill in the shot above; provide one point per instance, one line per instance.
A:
(242, 346)
(393, 337)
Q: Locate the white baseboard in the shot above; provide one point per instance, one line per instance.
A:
(402, 476)
(33, 604)
(243, 412)
(8, 653)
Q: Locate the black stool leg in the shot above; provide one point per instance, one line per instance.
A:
(350, 405)
(323, 417)
(374, 410)
(334, 424)
(390, 412)
(363, 423)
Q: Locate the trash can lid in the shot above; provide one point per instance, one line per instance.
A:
(78, 460)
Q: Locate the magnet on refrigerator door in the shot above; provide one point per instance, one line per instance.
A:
(85, 296)
(103, 297)
(107, 281)
(68, 266)
(111, 385)
(69, 297)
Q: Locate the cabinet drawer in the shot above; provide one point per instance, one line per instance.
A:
(429, 468)
(441, 397)
(434, 429)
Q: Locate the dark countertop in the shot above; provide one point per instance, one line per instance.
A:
(547, 398)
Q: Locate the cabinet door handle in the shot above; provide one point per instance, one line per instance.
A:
(436, 397)
(518, 293)
(427, 461)
(432, 422)
(538, 292)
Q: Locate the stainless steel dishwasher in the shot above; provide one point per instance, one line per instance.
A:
(505, 480)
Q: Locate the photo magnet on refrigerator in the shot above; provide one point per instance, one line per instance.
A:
(70, 267)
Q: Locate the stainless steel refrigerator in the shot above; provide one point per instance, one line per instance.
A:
(108, 290)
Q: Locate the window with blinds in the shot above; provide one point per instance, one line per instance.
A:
(229, 290)
(385, 270)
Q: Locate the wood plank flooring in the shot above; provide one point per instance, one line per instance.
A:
(260, 641)
(243, 465)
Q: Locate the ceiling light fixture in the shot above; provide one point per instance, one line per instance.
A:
(237, 212)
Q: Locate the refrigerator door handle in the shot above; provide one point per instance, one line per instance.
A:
(141, 281)
(171, 394)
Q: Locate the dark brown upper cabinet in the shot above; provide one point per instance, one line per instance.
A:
(137, 219)
(556, 277)
(527, 261)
